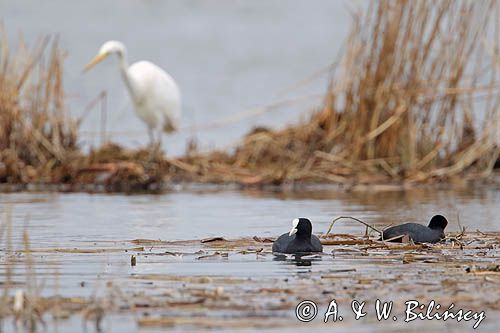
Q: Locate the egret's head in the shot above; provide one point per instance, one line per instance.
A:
(106, 49)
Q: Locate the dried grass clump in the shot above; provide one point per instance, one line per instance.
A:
(37, 136)
(414, 98)
(119, 169)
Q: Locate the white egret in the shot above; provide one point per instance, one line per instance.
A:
(154, 93)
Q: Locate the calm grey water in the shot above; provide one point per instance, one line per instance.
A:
(95, 221)
(227, 56)
(62, 219)
(87, 221)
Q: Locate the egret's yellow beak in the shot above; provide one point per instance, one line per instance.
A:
(97, 59)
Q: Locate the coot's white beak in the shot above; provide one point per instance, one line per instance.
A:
(295, 223)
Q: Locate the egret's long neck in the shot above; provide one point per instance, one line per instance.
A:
(122, 58)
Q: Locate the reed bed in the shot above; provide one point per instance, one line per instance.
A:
(37, 136)
(414, 98)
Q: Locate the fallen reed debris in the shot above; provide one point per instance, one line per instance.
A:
(28, 309)
(360, 266)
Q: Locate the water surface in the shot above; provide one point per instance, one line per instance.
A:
(98, 222)
(56, 219)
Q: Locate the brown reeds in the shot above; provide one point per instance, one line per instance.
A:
(415, 98)
(37, 136)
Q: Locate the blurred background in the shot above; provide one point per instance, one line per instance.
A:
(227, 57)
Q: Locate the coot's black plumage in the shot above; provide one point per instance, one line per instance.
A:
(299, 240)
(419, 233)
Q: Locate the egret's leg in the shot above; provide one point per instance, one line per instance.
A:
(160, 132)
(155, 142)
(151, 136)
(153, 148)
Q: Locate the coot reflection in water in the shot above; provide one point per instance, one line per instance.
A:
(300, 260)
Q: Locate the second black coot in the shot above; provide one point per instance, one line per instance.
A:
(419, 233)
(299, 240)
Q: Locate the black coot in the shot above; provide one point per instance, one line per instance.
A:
(299, 240)
(419, 233)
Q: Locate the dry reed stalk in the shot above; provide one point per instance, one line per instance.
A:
(27, 305)
(414, 98)
(414, 52)
(6, 230)
(36, 134)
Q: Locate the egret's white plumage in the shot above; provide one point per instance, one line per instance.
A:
(154, 93)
